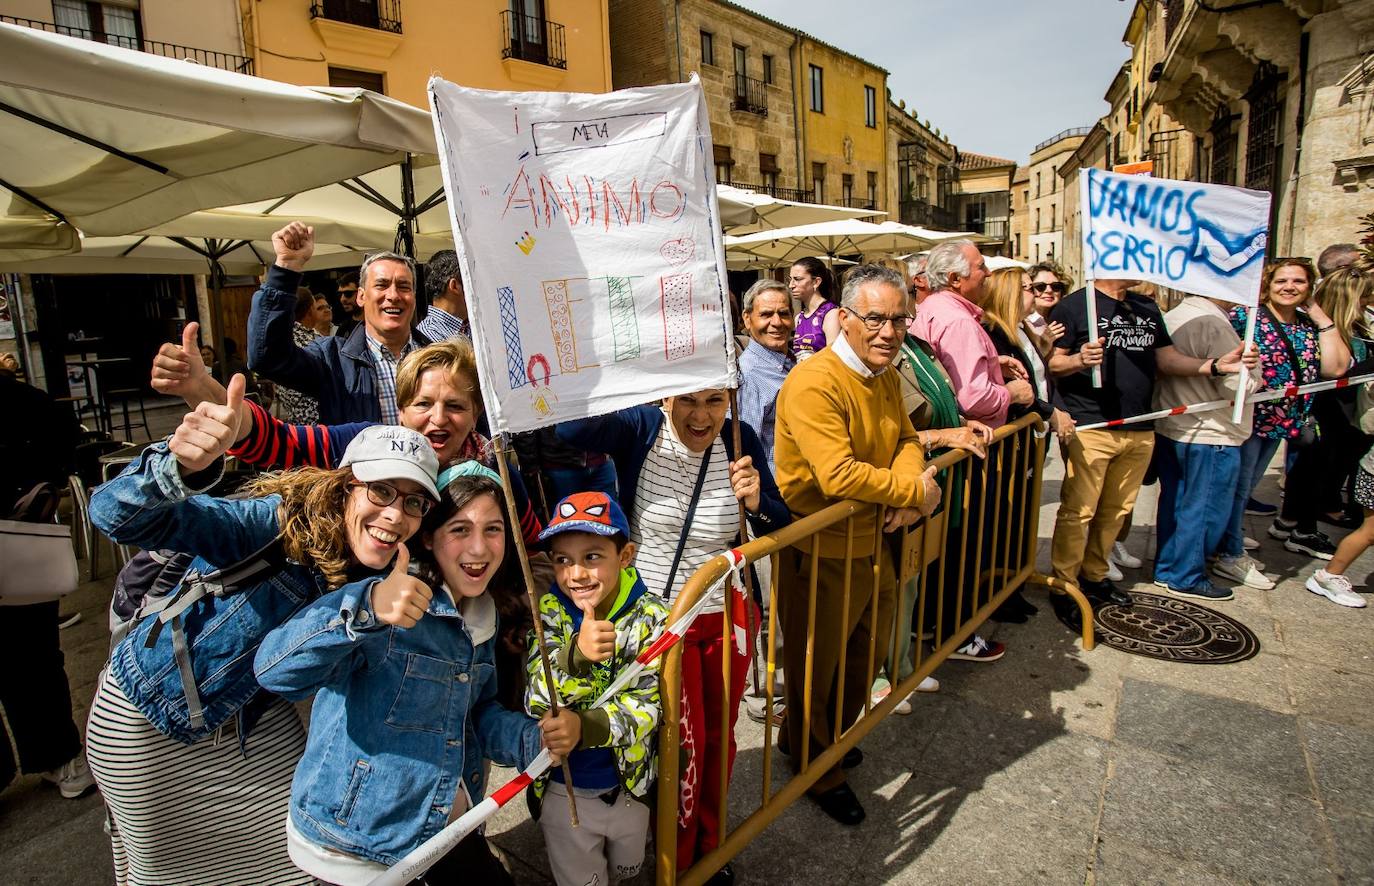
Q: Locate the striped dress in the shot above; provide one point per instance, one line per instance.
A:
(661, 502)
(199, 814)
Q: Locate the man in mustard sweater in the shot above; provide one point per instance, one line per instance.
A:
(842, 434)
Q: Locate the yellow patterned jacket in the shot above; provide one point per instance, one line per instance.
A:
(625, 724)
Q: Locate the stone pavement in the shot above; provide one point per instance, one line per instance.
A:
(1051, 766)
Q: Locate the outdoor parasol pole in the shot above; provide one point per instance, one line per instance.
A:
(1089, 286)
(513, 514)
(743, 539)
(1243, 377)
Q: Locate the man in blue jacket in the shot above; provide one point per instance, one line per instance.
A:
(353, 378)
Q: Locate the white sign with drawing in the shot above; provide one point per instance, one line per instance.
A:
(587, 231)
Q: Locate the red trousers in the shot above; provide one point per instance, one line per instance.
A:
(698, 815)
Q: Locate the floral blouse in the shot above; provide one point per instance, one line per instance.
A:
(1282, 419)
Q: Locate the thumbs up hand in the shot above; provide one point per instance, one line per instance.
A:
(208, 432)
(596, 639)
(401, 599)
(179, 371)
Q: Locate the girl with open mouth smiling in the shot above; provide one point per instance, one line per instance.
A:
(403, 672)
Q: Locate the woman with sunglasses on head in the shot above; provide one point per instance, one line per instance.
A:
(818, 325)
(1298, 344)
(194, 760)
(402, 670)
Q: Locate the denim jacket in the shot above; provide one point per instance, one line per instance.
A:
(152, 506)
(402, 720)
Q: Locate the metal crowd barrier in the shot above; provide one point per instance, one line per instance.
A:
(962, 574)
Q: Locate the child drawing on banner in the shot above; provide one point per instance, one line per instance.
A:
(598, 617)
(404, 676)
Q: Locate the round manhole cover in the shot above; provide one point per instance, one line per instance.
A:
(1174, 630)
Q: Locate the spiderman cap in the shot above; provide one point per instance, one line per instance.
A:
(594, 512)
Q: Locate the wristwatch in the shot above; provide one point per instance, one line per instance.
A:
(1215, 370)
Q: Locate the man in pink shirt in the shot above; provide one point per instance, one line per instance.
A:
(948, 320)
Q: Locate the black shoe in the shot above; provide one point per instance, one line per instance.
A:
(723, 877)
(1343, 521)
(841, 804)
(1313, 544)
(1104, 592)
(1027, 607)
(853, 758)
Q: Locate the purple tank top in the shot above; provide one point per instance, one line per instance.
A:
(809, 336)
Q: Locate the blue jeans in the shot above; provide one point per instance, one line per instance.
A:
(1197, 483)
(1255, 455)
(563, 482)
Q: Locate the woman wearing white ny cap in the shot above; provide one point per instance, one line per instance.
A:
(194, 759)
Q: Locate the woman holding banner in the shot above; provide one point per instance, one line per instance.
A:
(681, 481)
(1296, 347)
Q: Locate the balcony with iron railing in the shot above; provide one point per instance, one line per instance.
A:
(926, 214)
(530, 38)
(995, 228)
(381, 15)
(858, 203)
(751, 95)
(1067, 133)
(795, 194)
(224, 60)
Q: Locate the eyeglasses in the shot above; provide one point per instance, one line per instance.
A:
(874, 322)
(382, 494)
(1056, 288)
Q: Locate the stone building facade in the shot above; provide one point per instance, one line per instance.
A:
(982, 199)
(1045, 201)
(1020, 213)
(922, 174)
(745, 64)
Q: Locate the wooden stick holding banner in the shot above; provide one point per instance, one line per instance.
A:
(513, 515)
(1243, 377)
(1089, 285)
(736, 438)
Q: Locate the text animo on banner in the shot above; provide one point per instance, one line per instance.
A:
(587, 232)
(1199, 238)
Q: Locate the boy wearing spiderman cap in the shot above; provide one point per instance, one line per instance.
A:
(598, 617)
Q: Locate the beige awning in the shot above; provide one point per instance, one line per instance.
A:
(114, 140)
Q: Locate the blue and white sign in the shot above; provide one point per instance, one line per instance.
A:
(1199, 238)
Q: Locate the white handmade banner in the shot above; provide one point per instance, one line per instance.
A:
(590, 249)
(1199, 238)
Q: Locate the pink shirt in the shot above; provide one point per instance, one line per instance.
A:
(949, 323)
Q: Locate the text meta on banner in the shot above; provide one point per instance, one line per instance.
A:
(591, 253)
(1201, 238)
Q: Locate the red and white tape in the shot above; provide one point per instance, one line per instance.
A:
(427, 854)
(1261, 397)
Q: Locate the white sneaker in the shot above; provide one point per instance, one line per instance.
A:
(1113, 573)
(1250, 544)
(1122, 557)
(74, 777)
(929, 684)
(1245, 570)
(1335, 588)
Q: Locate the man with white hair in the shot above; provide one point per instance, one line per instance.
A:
(948, 321)
(765, 362)
(1335, 257)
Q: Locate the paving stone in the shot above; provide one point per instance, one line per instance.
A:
(1213, 817)
(1259, 680)
(974, 840)
(1318, 631)
(1333, 693)
(1019, 759)
(1354, 833)
(1119, 864)
(1210, 732)
(1340, 757)
(83, 846)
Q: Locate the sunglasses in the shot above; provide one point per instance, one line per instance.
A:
(381, 494)
(1056, 288)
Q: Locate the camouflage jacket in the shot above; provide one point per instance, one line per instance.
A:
(626, 724)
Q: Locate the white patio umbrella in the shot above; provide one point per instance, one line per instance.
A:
(34, 237)
(827, 240)
(772, 213)
(112, 140)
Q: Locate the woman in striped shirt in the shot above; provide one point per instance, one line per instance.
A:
(680, 484)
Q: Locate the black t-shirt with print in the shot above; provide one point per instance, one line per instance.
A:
(1134, 328)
